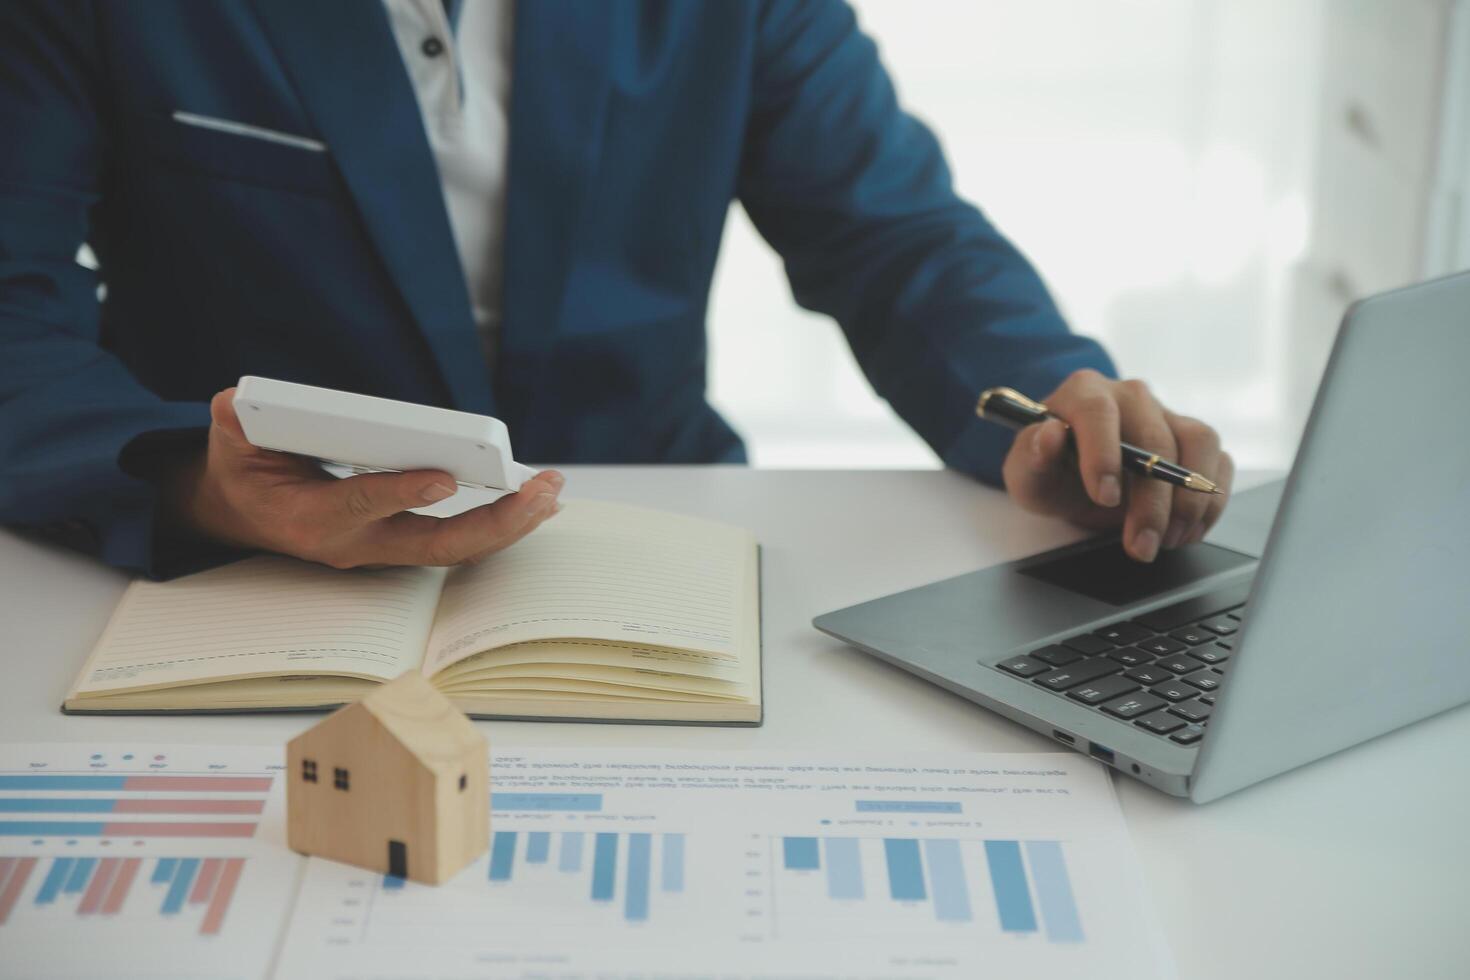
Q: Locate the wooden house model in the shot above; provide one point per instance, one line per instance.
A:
(397, 782)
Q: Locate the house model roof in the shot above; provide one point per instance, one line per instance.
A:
(424, 722)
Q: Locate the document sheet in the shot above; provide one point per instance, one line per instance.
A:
(613, 864)
(145, 860)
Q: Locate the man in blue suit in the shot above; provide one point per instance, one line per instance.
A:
(507, 211)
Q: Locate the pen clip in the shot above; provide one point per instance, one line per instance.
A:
(1010, 395)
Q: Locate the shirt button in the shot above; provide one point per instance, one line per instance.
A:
(432, 47)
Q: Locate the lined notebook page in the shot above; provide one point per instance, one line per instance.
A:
(266, 615)
(601, 571)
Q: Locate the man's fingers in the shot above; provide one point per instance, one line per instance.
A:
(1149, 500)
(375, 496)
(411, 539)
(1089, 487)
(1091, 408)
(1199, 450)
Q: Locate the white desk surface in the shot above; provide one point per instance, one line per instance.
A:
(1357, 866)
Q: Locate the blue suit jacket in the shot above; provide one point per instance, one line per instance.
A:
(633, 127)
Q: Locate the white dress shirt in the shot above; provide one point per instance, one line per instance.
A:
(461, 76)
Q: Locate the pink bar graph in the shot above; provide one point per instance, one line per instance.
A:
(205, 784)
(121, 882)
(97, 889)
(125, 829)
(219, 903)
(19, 872)
(188, 806)
(204, 884)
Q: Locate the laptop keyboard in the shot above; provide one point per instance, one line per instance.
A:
(1161, 671)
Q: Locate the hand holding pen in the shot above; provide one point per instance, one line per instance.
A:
(1180, 478)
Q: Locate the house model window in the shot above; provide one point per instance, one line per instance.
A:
(463, 782)
(308, 770)
(339, 778)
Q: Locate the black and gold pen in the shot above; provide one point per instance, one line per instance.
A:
(1010, 408)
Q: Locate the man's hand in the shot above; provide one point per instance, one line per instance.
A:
(1089, 488)
(254, 498)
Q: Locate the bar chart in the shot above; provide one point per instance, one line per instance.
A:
(71, 803)
(628, 872)
(102, 886)
(1017, 887)
(152, 854)
(631, 864)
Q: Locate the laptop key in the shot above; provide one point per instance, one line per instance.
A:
(1023, 666)
(1096, 692)
(1180, 664)
(1191, 711)
(1174, 691)
(1192, 635)
(1217, 653)
(1207, 698)
(1131, 657)
(1124, 633)
(1160, 723)
(1206, 680)
(1088, 670)
(1133, 705)
(1222, 626)
(1162, 646)
(1149, 674)
(1089, 645)
(1057, 656)
(1190, 735)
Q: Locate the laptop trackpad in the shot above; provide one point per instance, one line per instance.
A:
(1108, 575)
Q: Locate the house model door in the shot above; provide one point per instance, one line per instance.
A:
(398, 859)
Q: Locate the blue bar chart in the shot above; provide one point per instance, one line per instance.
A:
(745, 865)
(1019, 887)
(609, 869)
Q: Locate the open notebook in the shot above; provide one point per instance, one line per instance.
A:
(606, 612)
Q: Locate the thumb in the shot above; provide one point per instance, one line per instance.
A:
(1049, 446)
(1038, 461)
(1040, 472)
(222, 415)
(374, 496)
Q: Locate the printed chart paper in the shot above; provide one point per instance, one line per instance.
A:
(637, 863)
(142, 861)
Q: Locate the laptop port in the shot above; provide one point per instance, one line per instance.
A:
(1100, 752)
(1062, 736)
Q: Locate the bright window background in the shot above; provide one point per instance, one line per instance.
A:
(1176, 172)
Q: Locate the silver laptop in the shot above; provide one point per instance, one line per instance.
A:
(1317, 615)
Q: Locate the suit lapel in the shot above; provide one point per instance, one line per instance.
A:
(347, 70)
(559, 90)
